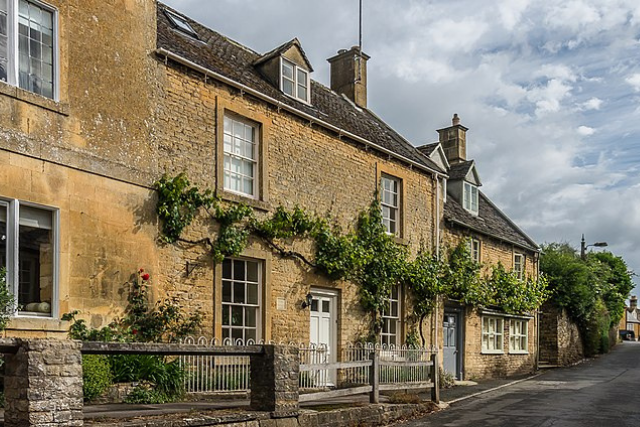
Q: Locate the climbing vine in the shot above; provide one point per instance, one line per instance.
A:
(366, 255)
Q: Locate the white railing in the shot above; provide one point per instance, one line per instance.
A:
(395, 367)
(216, 374)
(366, 368)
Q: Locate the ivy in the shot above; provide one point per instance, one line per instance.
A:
(178, 203)
(366, 256)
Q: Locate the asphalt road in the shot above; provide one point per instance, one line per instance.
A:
(599, 393)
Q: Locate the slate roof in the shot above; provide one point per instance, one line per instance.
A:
(460, 170)
(281, 49)
(489, 221)
(229, 58)
(427, 149)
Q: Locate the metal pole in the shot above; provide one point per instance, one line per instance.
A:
(583, 248)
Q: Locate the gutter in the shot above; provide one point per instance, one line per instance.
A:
(280, 105)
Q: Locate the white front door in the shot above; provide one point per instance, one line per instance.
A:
(322, 332)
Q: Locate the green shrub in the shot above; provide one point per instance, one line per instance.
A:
(145, 393)
(96, 375)
(142, 322)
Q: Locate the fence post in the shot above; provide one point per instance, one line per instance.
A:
(43, 384)
(435, 379)
(374, 376)
(274, 379)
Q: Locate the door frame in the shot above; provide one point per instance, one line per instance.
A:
(333, 296)
(460, 313)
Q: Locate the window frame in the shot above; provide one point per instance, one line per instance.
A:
(13, 250)
(257, 135)
(475, 251)
(180, 24)
(522, 337)
(470, 198)
(496, 335)
(397, 208)
(295, 80)
(13, 52)
(259, 306)
(518, 266)
(388, 318)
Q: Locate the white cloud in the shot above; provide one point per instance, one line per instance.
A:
(634, 80)
(586, 130)
(592, 104)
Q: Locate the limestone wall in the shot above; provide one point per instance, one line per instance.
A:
(479, 364)
(560, 339)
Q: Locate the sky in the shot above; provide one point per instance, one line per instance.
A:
(549, 90)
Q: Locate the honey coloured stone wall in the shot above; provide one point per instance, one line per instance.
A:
(480, 363)
(300, 165)
(89, 157)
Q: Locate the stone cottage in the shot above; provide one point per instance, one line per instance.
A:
(484, 342)
(106, 98)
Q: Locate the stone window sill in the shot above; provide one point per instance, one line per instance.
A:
(236, 198)
(34, 99)
(492, 352)
(42, 324)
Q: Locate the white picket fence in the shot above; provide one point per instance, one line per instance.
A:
(320, 370)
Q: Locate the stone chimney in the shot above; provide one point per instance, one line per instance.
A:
(349, 75)
(454, 141)
(633, 303)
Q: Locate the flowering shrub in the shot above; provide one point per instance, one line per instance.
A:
(142, 322)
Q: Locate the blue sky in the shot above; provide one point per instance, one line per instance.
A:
(549, 90)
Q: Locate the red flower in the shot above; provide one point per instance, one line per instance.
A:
(145, 276)
(141, 270)
(134, 331)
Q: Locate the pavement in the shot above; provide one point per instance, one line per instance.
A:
(454, 394)
(451, 395)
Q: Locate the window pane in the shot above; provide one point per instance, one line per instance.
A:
(238, 270)
(250, 316)
(287, 87)
(302, 92)
(326, 306)
(238, 293)
(225, 314)
(226, 269)
(252, 271)
(35, 261)
(236, 316)
(226, 291)
(287, 70)
(252, 294)
(236, 334)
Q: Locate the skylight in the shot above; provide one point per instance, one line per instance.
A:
(181, 24)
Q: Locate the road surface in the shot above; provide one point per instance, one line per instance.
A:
(604, 392)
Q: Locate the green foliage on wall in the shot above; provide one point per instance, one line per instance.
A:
(366, 255)
(592, 290)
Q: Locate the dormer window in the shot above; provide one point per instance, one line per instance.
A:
(470, 198)
(294, 81)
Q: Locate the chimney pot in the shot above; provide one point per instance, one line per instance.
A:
(633, 302)
(456, 120)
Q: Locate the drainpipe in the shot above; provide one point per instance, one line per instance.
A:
(437, 224)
